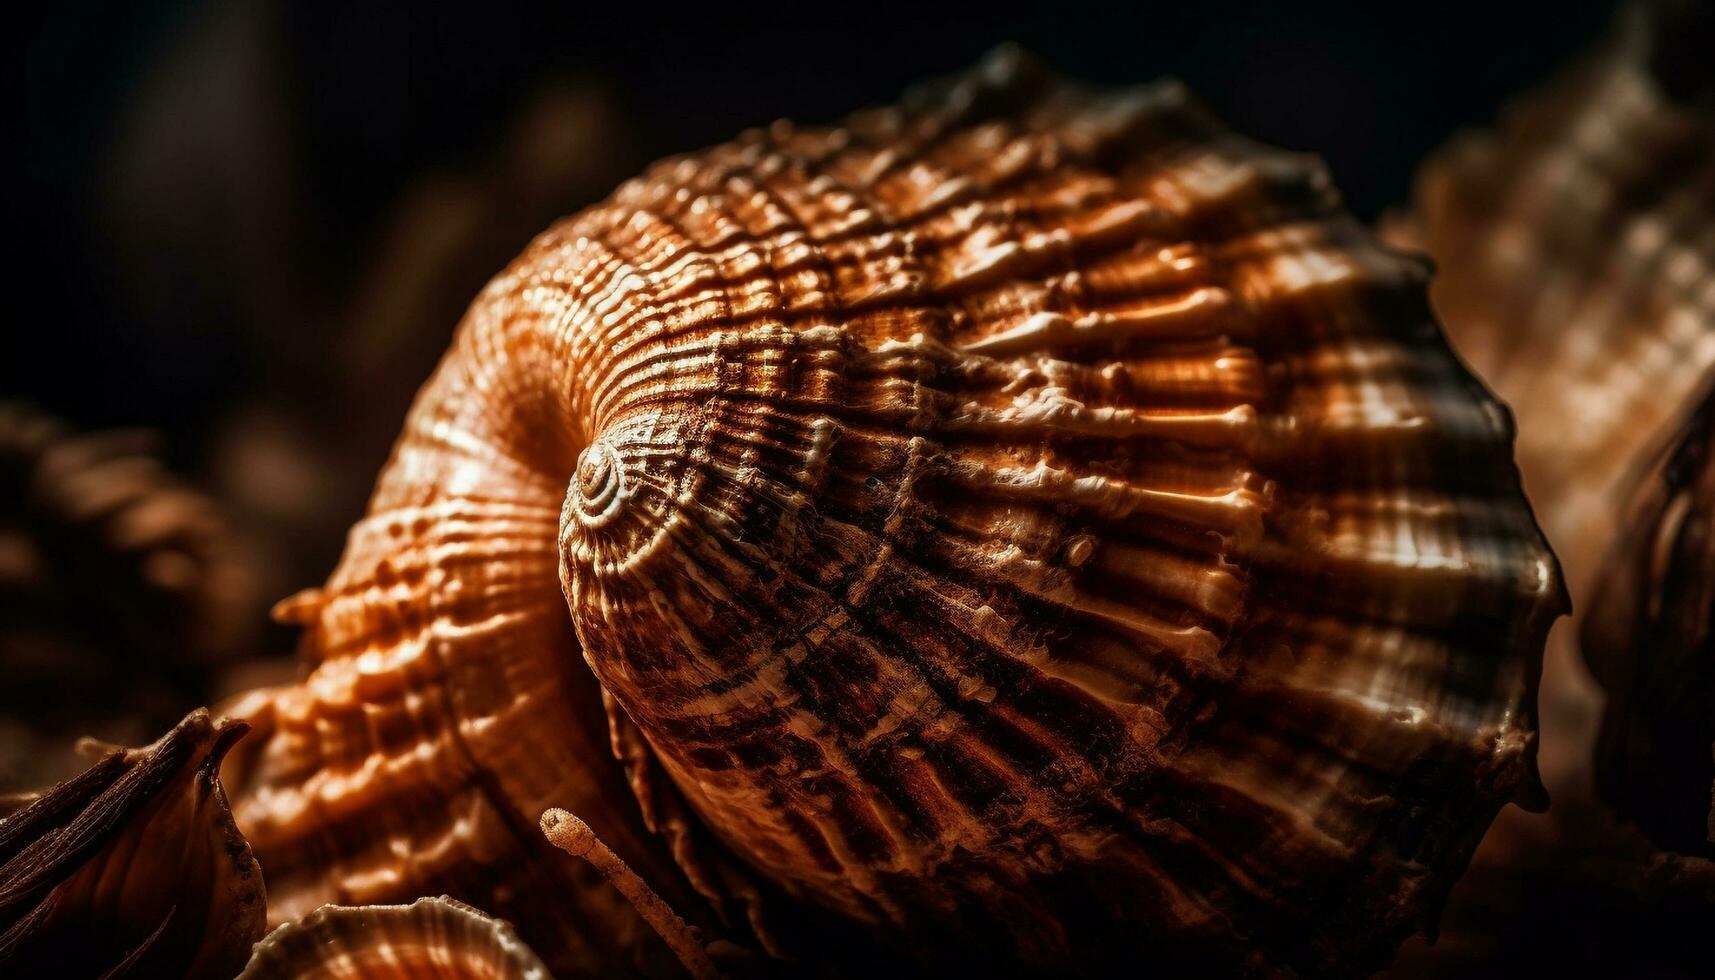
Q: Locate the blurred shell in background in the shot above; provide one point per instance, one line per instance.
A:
(133, 868)
(430, 938)
(1575, 254)
(1575, 245)
(121, 592)
(1650, 638)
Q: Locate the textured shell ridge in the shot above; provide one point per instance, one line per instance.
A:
(1028, 522)
(1576, 243)
(715, 547)
(437, 937)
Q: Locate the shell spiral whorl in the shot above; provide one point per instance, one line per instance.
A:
(1028, 522)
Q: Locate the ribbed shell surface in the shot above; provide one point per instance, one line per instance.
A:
(1032, 523)
(430, 939)
(1575, 247)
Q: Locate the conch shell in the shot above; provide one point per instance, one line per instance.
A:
(133, 868)
(1030, 524)
(431, 937)
(1650, 639)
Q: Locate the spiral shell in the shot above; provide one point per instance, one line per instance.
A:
(133, 868)
(1029, 523)
(431, 937)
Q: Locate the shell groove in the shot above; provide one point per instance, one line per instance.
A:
(1028, 522)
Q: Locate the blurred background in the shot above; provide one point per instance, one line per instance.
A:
(259, 221)
(250, 228)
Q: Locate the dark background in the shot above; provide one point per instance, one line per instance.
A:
(251, 225)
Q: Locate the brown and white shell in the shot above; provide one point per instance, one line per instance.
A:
(1650, 639)
(132, 869)
(430, 938)
(1029, 524)
(1575, 253)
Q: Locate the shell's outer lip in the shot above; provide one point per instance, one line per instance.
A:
(599, 485)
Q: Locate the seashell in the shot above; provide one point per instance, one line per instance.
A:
(1032, 525)
(118, 584)
(132, 868)
(1574, 253)
(431, 937)
(1575, 247)
(1650, 639)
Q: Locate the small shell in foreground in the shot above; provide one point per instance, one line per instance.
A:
(133, 868)
(430, 938)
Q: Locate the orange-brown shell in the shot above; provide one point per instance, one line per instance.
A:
(1029, 523)
(133, 868)
(430, 938)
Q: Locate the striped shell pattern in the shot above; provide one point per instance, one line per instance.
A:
(430, 938)
(1029, 522)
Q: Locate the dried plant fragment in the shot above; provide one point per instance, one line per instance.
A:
(573, 836)
(133, 868)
